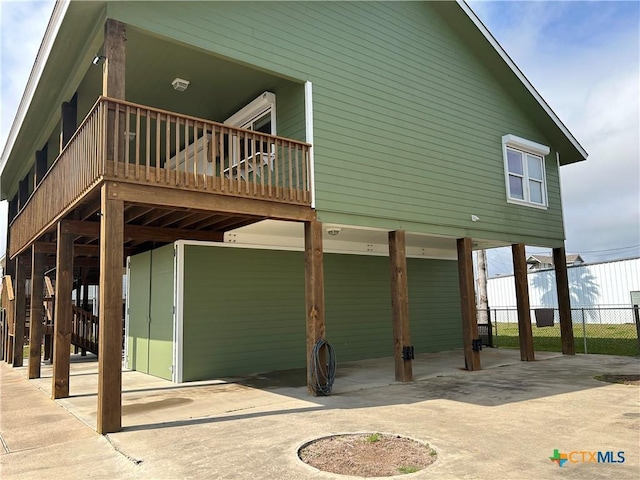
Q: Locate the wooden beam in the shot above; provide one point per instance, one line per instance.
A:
(468, 305)
(69, 120)
(41, 165)
(314, 294)
(166, 197)
(80, 250)
(62, 315)
(564, 301)
(109, 413)
(522, 299)
(19, 289)
(144, 233)
(36, 316)
(400, 306)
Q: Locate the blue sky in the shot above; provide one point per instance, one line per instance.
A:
(583, 57)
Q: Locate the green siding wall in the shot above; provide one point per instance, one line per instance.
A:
(434, 305)
(408, 122)
(244, 309)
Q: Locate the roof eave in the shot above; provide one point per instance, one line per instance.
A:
(523, 79)
(57, 16)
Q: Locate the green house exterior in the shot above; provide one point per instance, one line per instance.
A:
(416, 121)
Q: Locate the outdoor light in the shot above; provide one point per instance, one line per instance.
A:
(97, 58)
(333, 231)
(180, 84)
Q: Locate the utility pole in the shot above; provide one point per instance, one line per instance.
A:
(482, 287)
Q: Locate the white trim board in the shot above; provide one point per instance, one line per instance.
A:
(308, 117)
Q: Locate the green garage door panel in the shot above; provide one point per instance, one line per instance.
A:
(243, 311)
(138, 304)
(434, 305)
(161, 312)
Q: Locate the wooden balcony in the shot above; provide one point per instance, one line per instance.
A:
(139, 147)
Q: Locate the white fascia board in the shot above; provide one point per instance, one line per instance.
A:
(308, 118)
(514, 68)
(59, 11)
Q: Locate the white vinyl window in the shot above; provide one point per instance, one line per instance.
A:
(524, 171)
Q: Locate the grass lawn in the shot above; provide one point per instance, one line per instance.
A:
(612, 339)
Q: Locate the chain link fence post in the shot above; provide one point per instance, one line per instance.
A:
(636, 314)
(584, 332)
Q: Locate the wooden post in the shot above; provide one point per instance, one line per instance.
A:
(109, 414)
(314, 292)
(522, 299)
(40, 165)
(20, 310)
(23, 192)
(69, 120)
(400, 306)
(468, 305)
(62, 315)
(37, 313)
(564, 301)
(113, 82)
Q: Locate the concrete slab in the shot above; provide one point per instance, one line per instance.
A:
(502, 422)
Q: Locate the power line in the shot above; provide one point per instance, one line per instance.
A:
(612, 249)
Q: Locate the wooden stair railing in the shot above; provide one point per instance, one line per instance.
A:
(7, 319)
(84, 329)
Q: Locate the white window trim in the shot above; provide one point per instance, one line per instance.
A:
(264, 103)
(525, 146)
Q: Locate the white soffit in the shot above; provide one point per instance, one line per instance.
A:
(351, 239)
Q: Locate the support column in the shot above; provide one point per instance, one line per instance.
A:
(23, 192)
(40, 165)
(62, 315)
(109, 414)
(468, 305)
(522, 300)
(402, 349)
(564, 301)
(314, 293)
(20, 294)
(113, 83)
(69, 117)
(37, 313)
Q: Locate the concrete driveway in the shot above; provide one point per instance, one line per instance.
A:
(503, 422)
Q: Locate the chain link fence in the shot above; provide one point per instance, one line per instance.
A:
(604, 330)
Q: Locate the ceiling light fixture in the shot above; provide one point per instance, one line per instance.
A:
(180, 84)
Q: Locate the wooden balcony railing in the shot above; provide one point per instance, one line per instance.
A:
(140, 144)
